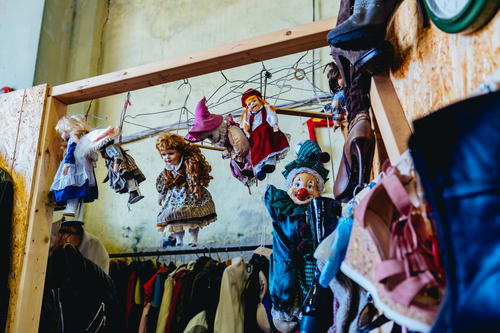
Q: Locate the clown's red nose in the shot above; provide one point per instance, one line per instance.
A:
(301, 194)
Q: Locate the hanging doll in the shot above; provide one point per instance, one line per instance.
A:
(74, 181)
(223, 133)
(123, 173)
(337, 107)
(185, 202)
(260, 124)
(292, 263)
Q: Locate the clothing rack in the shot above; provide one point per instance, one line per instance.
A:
(208, 250)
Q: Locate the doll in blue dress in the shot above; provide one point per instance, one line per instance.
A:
(74, 181)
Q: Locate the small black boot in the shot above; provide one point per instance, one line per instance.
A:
(366, 27)
(323, 215)
(134, 196)
(317, 309)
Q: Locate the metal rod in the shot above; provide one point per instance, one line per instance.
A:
(190, 251)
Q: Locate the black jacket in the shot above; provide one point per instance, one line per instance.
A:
(78, 295)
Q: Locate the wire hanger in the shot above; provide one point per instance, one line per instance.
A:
(184, 109)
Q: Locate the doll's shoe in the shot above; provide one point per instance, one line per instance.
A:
(134, 196)
(268, 168)
(71, 207)
(261, 175)
(356, 162)
(247, 173)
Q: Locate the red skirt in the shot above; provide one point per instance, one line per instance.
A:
(265, 143)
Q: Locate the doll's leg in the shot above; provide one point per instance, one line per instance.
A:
(133, 190)
(194, 236)
(71, 207)
(179, 238)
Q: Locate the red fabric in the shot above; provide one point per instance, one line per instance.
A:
(175, 297)
(149, 286)
(129, 303)
(313, 123)
(264, 141)
(248, 93)
(5, 90)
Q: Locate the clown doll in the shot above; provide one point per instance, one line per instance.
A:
(292, 261)
(223, 133)
(185, 202)
(260, 124)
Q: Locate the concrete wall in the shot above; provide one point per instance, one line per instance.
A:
(20, 23)
(109, 36)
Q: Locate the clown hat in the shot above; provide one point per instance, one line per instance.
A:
(310, 159)
(248, 93)
(204, 121)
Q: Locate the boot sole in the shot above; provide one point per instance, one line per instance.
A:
(359, 39)
(377, 60)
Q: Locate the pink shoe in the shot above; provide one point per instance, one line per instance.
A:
(390, 255)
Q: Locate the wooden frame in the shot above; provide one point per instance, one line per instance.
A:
(273, 45)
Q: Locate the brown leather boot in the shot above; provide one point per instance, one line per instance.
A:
(356, 162)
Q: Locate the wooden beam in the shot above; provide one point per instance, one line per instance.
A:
(390, 117)
(268, 46)
(32, 278)
(208, 147)
(303, 113)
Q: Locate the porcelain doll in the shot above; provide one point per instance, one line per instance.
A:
(223, 132)
(260, 124)
(74, 181)
(185, 202)
(293, 265)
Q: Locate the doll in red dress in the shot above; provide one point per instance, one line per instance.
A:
(260, 124)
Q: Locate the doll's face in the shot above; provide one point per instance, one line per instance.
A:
(304, 188)
(171, 156)
(253, 104)
(340, 82)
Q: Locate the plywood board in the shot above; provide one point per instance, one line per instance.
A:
(21, 113)
(434, 68)
(32, 277)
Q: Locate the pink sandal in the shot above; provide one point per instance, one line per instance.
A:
(407, 269)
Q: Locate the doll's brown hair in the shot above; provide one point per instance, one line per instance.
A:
(333, 74)
(197, 167)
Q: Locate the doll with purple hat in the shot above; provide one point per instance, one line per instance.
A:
(260, 123)
(223, 132)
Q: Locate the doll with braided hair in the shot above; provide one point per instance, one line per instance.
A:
(185, 202)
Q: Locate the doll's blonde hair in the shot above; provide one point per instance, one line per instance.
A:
(74, 126)
(197, 167)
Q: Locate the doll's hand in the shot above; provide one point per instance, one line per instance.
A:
(248, 135)
(65, 169)
(276, 128)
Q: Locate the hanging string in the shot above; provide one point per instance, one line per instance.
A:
(122, 116)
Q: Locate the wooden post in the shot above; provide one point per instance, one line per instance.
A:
(391, 120)
(32, 277)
